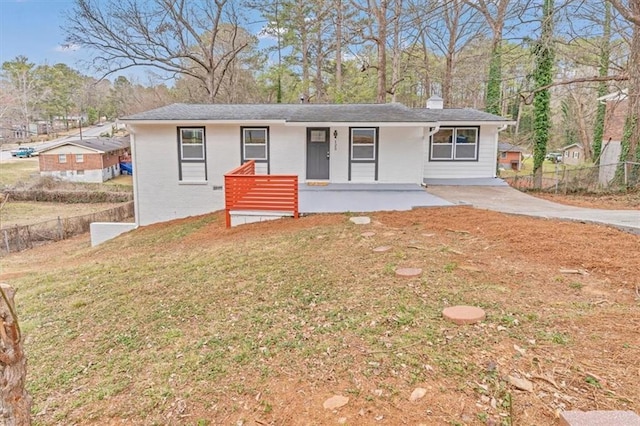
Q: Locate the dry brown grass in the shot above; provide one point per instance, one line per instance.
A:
(191, 323)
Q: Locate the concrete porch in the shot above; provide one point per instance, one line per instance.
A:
(364, 197)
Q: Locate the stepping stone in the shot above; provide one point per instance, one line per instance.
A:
(599, 418)
(382, 249)
(464, 314)
(361, 220)
(336, 401)
(368, 234)
(408, 272)
(418, 393)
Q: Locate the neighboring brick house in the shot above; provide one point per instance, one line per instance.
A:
(509, 156)
(572, 154)
(617, 105)
(88, 160)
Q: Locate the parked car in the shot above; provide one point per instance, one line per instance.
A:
(554, 157)
(23, 152)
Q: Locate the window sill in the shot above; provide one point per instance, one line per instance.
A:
(193, 182)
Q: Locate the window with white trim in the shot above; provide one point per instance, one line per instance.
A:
(363, 144)
(192, 144)
(192, 154)
(455, 144)
(62, 158)
(79, 158)
(254, 143)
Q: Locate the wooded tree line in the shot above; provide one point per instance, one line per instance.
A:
(542, 63)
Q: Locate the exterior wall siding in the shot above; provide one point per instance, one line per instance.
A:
(160, 196)
(568, 156)
(94, 167)
(89, 176)
(509, 159)
(614, 120)
(484, 167)
(49, 162)
(399, 159)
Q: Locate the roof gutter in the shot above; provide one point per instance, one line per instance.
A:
(134, 165)
(357, 124)
(200, 122)
(434, 130)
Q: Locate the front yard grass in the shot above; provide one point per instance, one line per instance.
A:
(18, 171)
(190, 323)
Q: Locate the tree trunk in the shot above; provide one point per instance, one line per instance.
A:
(395, 61)
(494, 83)
(15, 402)
(633, 68)
(318, 81)
(382, 56)
(338, 97)
(427, 72)
(543, 76)
(452, 21)
(605, 56)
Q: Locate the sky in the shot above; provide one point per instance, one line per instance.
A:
(32, 28)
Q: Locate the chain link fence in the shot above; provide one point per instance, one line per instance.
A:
(17, 238)
(600, 178)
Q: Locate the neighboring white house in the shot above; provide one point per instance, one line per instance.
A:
(181, 152)
(572, 154)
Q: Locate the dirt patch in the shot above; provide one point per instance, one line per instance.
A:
(283, 315)
(626, 201)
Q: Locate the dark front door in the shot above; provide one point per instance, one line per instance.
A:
(318, 149)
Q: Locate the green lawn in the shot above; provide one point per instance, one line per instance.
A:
(16, 171)
(548, 167)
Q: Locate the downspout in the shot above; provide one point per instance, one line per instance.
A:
(134, 168)
(497, 145)
(426, 136)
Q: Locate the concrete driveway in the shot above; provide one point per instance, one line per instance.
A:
(508, 200)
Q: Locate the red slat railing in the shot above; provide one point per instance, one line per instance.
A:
(244, 190)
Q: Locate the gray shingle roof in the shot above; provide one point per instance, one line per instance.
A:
(98, 144)
(288, 112)
(504, 147)
(460, 114)
(372, 113)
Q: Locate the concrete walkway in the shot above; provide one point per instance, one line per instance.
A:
(509, 200)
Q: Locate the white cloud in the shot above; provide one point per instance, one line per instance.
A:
(67, 48)
(269, 31)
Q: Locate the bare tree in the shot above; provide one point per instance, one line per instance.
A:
(630, 10)
(20, 76)
(378, 15)
(15, 402)
(454, 28)
(197, 38)
(495, 14)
